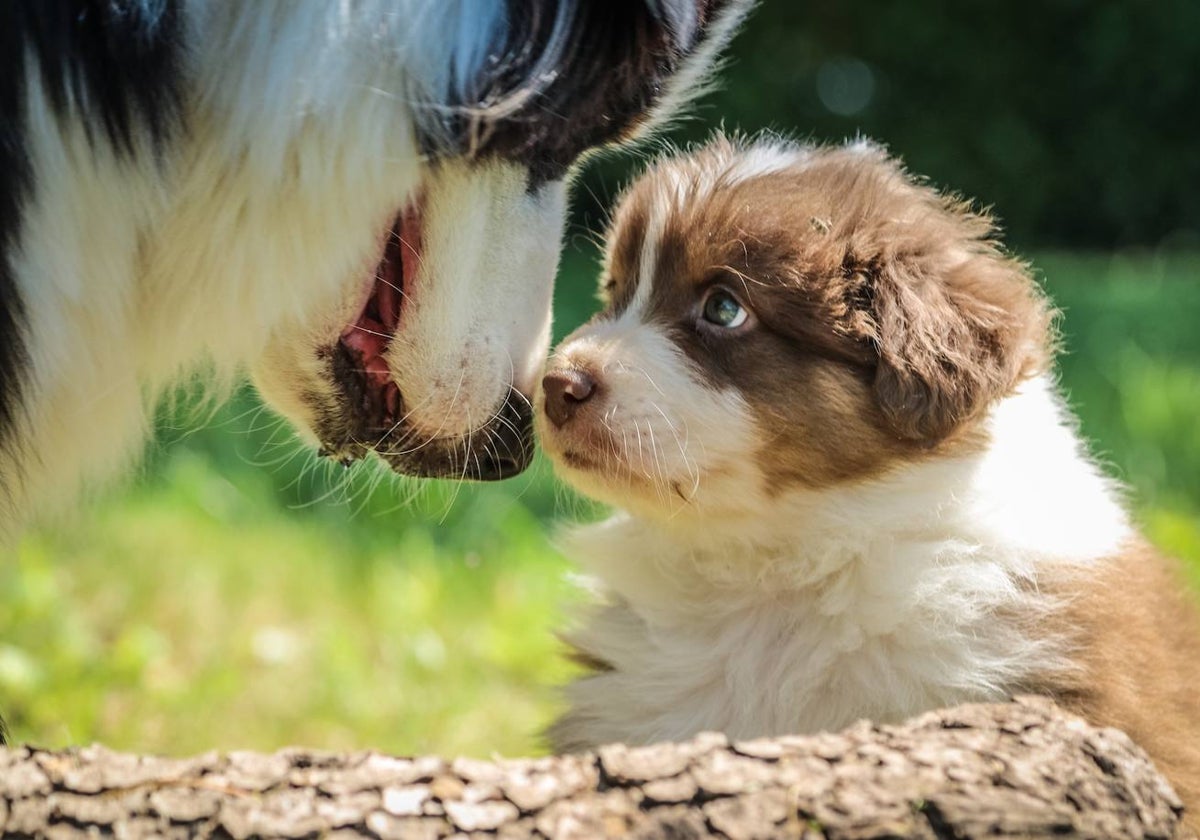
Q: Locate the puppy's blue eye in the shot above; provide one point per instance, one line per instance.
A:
(722, 309)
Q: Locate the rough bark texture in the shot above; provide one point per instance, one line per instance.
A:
(1023, 769)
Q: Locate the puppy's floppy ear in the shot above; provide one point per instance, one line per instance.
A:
(955, 322)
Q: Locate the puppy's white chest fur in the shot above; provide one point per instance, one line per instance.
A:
(877, 600)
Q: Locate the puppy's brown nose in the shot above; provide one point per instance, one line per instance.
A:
(566, 390)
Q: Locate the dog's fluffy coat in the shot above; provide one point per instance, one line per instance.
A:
(862, 500)
(202, 182)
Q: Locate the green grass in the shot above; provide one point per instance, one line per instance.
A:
(238, 595)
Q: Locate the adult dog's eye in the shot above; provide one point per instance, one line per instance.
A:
(723, 310)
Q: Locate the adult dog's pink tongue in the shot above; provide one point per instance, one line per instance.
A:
(410, 244)
(368, 338)
(387, 291)
(370, 334)
(398, 269)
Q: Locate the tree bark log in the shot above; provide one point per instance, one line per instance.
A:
(1022, 769)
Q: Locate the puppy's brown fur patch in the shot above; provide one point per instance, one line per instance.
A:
(1136, 637)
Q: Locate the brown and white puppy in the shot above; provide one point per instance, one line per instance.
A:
(822, 398)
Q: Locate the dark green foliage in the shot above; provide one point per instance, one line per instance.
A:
(1073, 118)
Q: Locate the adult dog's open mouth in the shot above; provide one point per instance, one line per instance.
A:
(365, 340)
(372, 417)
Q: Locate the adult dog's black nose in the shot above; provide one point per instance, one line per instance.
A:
(566, 389)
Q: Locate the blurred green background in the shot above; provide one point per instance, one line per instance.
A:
(240, 594)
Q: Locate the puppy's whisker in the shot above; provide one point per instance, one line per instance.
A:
(690, 466)
(659, 477)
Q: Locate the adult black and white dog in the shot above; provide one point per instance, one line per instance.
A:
(362, 201)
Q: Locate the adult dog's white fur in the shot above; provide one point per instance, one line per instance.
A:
(864, 500)
(249, 236)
